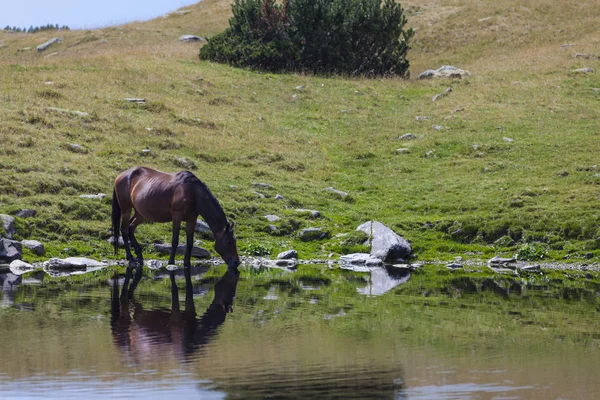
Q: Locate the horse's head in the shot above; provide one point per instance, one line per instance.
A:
(226, 247)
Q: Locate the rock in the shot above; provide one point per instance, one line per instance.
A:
(440, 95)
(262, 185)
(430, 153)
(77, 148)
(120, 242)
(385, 243)
(202, 227)
(582, 71)
(272, 218)
(501, 261)
(259, 194)
(18, 267)
(310, 234)
(145, 152)
(445, 71)
(8, 224)
(339, 193)
(273, 228)
(287, 255)
(34, 246)
(279, 197)
(586, 56)
(485, 19)
(313, 213)
(73, 262)
(154, 264)
(49, 43)
(191, 38)
(408, 136)
(508, 140)
(181, 12)
(300, 87)
(439, 127)
(97, 196)
(360, 259)
(25, 213)
(69, 112)
(291, 263)
(421, 118)
(454, 266)
(197, 252)
(136, 101)
(403, 150)
(184, 163)
(589, 255)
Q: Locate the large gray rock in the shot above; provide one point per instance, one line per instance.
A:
(49, 43)
(73, 262)
(8, 224)
(385, 243)
(445, 71)
(197, 252)
(288, 254)
(10, 250)
(34, 246)
(18, 267)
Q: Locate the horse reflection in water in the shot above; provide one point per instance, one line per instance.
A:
(148, 335)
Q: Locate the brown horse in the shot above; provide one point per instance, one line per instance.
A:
(160, 197)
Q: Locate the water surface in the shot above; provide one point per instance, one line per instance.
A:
(214, 333)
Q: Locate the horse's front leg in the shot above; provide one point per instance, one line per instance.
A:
(190, 226)
(175, 239)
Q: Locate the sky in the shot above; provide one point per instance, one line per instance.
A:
(83, 14)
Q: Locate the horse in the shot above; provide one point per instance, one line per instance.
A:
(161, 197)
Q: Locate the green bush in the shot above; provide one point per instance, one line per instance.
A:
(355, 37)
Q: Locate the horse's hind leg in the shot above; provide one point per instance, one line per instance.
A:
(190, 226)
(135, 221)
(125, 214)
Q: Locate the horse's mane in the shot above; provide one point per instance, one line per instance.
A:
(207, 204)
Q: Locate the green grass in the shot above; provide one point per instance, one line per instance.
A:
(241, 127)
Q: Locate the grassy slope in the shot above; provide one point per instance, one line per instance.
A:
(335, 132)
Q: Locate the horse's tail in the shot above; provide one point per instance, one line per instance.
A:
(116, 221)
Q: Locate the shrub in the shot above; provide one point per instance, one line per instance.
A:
(355, 37)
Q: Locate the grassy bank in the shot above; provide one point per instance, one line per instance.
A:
(463, 190)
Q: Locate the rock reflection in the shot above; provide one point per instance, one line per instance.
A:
(384, 279)
(148, 335)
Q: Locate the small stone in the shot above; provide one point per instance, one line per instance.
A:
(589, 255)
(439, 127)
(8, 225)
(313, 213)
(508, 140)
(77, 148)
(279, 197)
(582, 71)
(202, 227)
(408, 136)
(10, 250)
(530, 268)
(272, 218)
(191, 39)
(262, 185)
(75, 113)
(403, 150)
(341, 194)
(136, 101)
(273, 228)
(49, 43)
(185, 163)
(300, 87)
(430, 153)
(98, 196)
(454, 266)
(145, 152)
(260, 195)
(420, 118)
(501, 261)
(440, 95)
(288, 254)
(25, 213)
(34, 246)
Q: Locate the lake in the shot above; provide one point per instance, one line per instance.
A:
(316, 332)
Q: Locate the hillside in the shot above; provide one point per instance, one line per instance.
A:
(515, 160)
